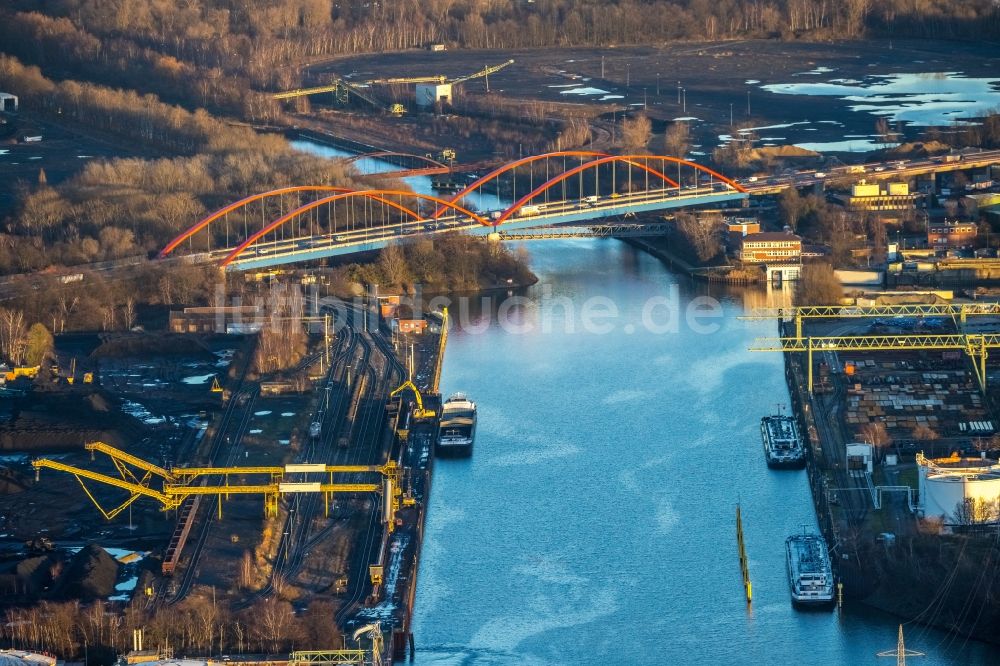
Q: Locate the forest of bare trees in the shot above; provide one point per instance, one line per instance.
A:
(195, 626)
(219, 54)
(124, 207)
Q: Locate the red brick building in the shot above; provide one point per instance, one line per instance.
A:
(951, 234)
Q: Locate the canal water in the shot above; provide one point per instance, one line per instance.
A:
(595, 522)
(619, 418)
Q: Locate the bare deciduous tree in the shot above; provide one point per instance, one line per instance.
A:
(677, 139)
(12, 335)
(636, 133)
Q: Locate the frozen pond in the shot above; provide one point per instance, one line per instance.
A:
(934, 98)
(846, 146)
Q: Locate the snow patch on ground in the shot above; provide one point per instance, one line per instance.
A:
(138, 411)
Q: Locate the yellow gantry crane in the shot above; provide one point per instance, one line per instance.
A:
(976, 346)
(959, 312)
(135, 476)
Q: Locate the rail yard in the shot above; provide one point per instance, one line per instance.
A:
(322, 502)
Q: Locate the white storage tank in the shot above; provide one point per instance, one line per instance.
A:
(949, 484)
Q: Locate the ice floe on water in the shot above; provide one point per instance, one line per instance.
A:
(726, 138)
(198, 379)
(846, 146)
(924, 99)
(817, 71)
(225, 357)
(584, 91)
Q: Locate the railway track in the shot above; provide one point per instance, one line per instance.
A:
(381, 382)
(292, 548)
(249, 400)
(239, 396)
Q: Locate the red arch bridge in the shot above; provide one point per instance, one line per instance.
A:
(309, 222)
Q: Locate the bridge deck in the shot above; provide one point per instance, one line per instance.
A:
(312, 248)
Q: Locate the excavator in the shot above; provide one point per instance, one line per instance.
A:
(419, 413)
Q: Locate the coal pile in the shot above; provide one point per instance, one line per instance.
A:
(91, 574)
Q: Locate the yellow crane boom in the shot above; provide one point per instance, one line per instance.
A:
(440, 78)
(178, 483)
(436, 382)
(302, 92)
(127, 458)
(485, 71)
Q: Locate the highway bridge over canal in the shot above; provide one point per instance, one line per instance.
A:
(309, 222)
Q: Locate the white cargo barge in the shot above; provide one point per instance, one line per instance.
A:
(810, 574)
(782, 444)
(458, 427)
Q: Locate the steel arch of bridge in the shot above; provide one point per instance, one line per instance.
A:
(555, 180)
(431, 162)
(639, 161)
(373, 194)
(225, 210)
(496, 173)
